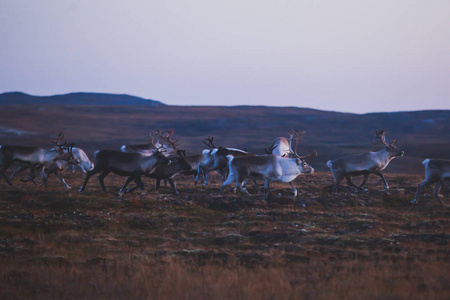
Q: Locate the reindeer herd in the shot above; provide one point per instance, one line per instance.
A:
(161, 159)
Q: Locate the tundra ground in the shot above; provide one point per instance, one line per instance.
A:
(62, 244)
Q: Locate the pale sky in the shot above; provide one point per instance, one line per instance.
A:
(351, 56)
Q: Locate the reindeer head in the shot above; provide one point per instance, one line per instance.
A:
(301, 160)
(391, 148)
(64, 149)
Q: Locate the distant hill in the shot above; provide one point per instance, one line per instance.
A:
(76, 99)
(421, 134)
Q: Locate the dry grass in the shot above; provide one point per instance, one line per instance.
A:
(58, 244)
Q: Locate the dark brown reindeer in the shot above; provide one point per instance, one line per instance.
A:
(34, 157)
(436, 171)
(178, 165)
(133, 165)
(365, 163)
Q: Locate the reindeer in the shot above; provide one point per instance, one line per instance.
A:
(267, 167)
(281, 146)
(364, 163)
(34, 157)
(436, 171)
(203, 167)
(55, 167)
(147, 149)
(216, 160)
(133, 165)
(177, 166)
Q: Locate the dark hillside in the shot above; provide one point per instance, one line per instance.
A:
(76, 99)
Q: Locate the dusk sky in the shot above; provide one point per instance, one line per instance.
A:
(351, 56)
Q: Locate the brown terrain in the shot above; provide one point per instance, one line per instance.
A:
(61, 244)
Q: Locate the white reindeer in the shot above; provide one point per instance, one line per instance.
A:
(364, 163)
(436, 171)
(80, 160)
(34, 157)
(268, 168)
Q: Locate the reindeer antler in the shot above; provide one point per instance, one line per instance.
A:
(312, 154)
(59, 138)
(156, 134)
(271, 148)
(168, 140)
(380, 135)
(210, 142)
(298, 134)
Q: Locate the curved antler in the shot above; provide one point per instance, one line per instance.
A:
(59, 138)
(271, 148)
(156, 134)
(380, 135)
(210, 142)
(312, 154)
(298, 134)
(173, 143)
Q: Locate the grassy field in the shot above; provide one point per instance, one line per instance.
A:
(62, 244)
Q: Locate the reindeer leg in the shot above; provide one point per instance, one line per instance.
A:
(420, 186)
(294, 190)
(3, 169)
(125, 185)
(16, 171)
(58, 175)
(101, 178)
(173, 185)
(44, 177)
(158, 184)
(337, 180)
(256, 186)
(206, 177)
(227, 182)
(242, 187)
(378, 173)
(139, 183)
(437, 188)
(199, 172)
(350, 183)
(31, 176)
(267, 191)
(363, 182)
(133, 177)
(88, 175)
